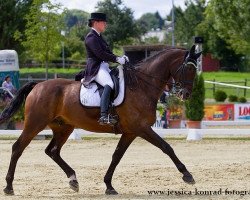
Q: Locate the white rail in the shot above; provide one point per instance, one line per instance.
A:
(227, 84)
(78, 133)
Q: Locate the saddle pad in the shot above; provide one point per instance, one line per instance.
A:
(90, 96)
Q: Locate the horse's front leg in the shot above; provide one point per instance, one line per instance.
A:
(121, 148)
(152, 137)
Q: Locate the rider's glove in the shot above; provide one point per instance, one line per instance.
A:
(121, 60)
(126, 58)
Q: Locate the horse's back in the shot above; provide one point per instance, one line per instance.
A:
(52, 94)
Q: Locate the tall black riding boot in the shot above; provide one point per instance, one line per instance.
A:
(105, 100)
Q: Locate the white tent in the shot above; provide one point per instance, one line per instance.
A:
(8, 61)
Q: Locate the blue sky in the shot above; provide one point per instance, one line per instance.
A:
(138, 6)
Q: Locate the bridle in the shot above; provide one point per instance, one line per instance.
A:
(178, 86)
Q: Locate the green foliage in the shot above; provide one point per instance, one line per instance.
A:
(232, 98)
(174, 105)
(195, 105)
(186, 21)
(75, 18)
(11, 20)
(76, 56)
(121, 23)
(235, 30)
(160, 108)
(42, 33)
(220, 96)
(149, 21)
(242, 100)
(19, 116)
(217, 46)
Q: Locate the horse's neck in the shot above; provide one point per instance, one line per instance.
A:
(157, 72)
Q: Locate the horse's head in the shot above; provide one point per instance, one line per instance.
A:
(185, 74)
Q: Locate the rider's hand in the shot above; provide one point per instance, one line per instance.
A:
(121, 60)
(126, 58)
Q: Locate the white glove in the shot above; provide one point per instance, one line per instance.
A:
(121, 60)
(126, 58)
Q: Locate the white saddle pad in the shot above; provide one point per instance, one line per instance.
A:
(90, 96)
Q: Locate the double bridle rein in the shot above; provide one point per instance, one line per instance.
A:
(177, 87)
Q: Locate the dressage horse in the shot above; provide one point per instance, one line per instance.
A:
(55, 103)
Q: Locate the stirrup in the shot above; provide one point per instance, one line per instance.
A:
(108, 119)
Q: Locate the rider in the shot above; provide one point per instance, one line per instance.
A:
(97, 68)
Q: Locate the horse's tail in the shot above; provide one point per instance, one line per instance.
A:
(17, 102)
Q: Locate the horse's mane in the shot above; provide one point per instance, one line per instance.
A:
(151, 58)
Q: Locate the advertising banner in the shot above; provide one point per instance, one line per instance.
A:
(242, 111)
(219, 112)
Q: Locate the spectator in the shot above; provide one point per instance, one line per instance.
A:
(8, 84)
(165, 94)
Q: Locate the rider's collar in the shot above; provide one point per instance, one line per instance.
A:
(96, 31)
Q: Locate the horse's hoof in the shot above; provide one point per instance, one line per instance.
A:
(188, 178)
(111, 192)
(74, 185)
(8, 191)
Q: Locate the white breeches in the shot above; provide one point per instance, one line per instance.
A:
(103, 77)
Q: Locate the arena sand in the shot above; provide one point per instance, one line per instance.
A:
(217, 165)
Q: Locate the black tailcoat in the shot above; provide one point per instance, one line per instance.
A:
(97, 51)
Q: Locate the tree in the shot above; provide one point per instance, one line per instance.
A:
(186, 21)
(76, 30)
(149, 21)
(234, 30)
(121, 23)
(217, 46)
(12, 14)
(195, 104)
(43, 31)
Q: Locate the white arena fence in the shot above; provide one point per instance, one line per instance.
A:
(228, 84)
(240, 90)
(190, 134)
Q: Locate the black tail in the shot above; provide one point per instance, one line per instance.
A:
(17, 102)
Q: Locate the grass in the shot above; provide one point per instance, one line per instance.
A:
(236, 78)
(51, 70)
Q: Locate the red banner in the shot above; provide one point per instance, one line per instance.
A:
(219, 112)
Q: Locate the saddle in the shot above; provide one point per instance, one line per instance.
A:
(90, 96)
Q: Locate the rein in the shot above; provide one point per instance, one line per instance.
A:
(177, 86)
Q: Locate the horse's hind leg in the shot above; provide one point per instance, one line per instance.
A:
(60, 136)
(156, 140)
(18, 147)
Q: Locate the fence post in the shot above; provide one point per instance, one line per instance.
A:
(245, 90)
(214, 88)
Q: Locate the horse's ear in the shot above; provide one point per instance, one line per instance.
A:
(197, 55)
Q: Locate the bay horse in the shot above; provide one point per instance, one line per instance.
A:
(55, 103)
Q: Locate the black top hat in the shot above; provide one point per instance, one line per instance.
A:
(97, 16)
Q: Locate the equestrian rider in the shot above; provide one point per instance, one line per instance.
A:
(98, 56)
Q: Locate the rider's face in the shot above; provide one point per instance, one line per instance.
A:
(100, 26)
